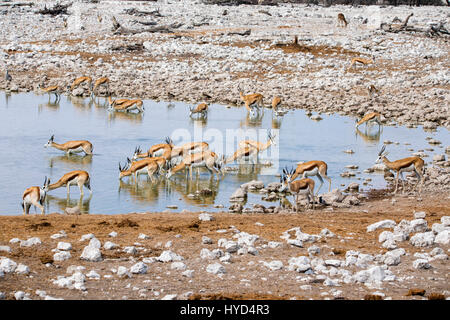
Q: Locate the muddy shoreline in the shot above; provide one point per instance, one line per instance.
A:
(204, 59)
(231, 256)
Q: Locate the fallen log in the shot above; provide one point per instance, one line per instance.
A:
(55, 10)
(118, 29)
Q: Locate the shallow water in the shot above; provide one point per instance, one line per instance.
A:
(27, 121)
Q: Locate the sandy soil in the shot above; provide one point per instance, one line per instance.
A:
(246, 277)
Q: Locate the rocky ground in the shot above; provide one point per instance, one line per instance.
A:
(210, 52)
(352, 246)
(382, 249)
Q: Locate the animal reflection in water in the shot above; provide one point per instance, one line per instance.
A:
(199, 191)
(80, 103)
(252, 121)
(71, 159)
(53, 106)
(128, 116)
(70, 206)
(200, 122)
(371, 134)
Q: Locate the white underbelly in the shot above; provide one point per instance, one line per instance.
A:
(158, 153)
(310, 173)
(76, 150)
(408, 169)
(198, 164)
(303, 191)
(141, 171)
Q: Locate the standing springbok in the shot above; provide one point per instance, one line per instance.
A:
(35, 196)
(369, 119)
(244, 154)
(311, 168)
(78, 177)
(341, 20)
(260, 146)
(206, 159)
(126, 106)
(361, 60)
(150, 166)
(303, 186)
(101, 81)
(157, 150)
(410, 164)
(79, 81)
(52, 90)
(252, 101)
(201, 109)
(71, 146)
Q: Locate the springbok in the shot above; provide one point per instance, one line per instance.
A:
(341, 20)
(260, 146)
(410, 164)
(79, 81)
(35, 196)
(102, 81)
(297, 187)
(311, 168)
(78, 177)
(244, 154)
(71, 146)
(52, 90)
(150, 166)
(361, 60)
(252, 101)
(126, 106)
(369, 119)
(206, 159)
(201, 109)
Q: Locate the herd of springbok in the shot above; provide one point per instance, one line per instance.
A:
(168, 159)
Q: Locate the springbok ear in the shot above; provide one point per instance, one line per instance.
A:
(52, 137)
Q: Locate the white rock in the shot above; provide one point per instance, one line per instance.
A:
(130, 250)
(422, 239)
(421, 264)
(244, 238)
(95, 243)
(419, 215)
(373, 274)
(443, 237)
(91, 254)
(313, 250)
(445, 220)
(333, 262)
(188, 273)
(231, 247)
(62, 256)
(64, 246)
(206, 240)
(206, 217)
(390, 244)
(143, 236)
(110, 245)
(139, 268)
(419, 225)
(88, 236)
(75, 281)
(178, 266)
(381, 224)
(215, 268)
(22, 269)
(7, 265)
(30, 242)
(5, 249)
(168, 256)
(72, 269)
(112, 234)
(14, 240)
(274, 265)
(93, 275)
(169, 297)
(385, 235)
(274, 244)
(299, 264)
(123, 272)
